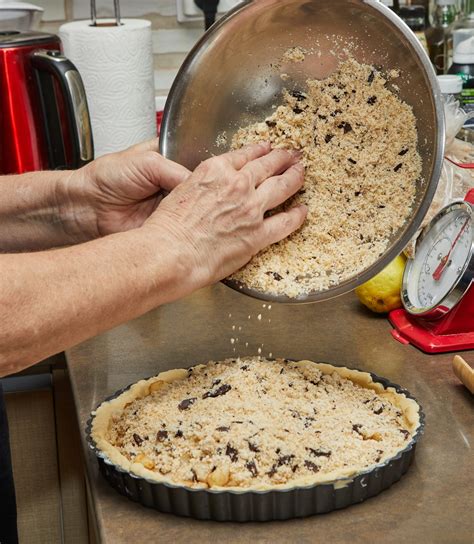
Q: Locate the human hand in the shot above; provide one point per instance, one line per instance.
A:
(123, 189)
(215, 220)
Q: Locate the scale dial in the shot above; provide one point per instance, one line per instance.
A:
(443, 267)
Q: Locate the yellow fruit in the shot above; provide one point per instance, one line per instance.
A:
(382, 293)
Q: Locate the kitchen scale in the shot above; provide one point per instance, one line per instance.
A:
(438, 289)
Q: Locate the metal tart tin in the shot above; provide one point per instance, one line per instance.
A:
(268, 505)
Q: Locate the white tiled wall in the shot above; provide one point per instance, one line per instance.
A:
(171, 40)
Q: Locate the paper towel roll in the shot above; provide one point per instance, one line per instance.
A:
(116, 65)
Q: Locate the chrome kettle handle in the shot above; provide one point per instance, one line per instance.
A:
(52, 66)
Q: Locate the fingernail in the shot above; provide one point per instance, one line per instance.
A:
(299, 166)
(296, 153)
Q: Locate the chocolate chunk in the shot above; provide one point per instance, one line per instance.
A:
(222, 390)
(328, 138)
(137, 439)
(195, 478)
(371, 76)
(161, 435)
(282, 370)
(322, 116)
(314, 382)
(232, 453)
(285, 459)
(379, 456)
(335, 98)
(311, 466)
(250, 465)
(272, 471)
(308, 421)
(378, 411)
(297, 110)
(366, 401)
(319, 453)
(186, 403)
(244, 367)
(357, 193)
(335, 112)
(403, 151)
(298, 95)
(352, 161)
(380, 206)
(397, 168)
(223, 429)
(294, 468)
(356, 427)
(253, 447)
(270, 123)
(278, 450)
(371, 100)
(405, 433)
(179, 434)
(346, 126)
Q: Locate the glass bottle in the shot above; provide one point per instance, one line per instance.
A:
(439, 36)
(414, 17)
(463, 29)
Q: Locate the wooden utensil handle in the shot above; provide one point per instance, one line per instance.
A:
(464, 372)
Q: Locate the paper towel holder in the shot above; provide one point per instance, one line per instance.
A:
(94, 15)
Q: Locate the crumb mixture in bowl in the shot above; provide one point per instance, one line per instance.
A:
(254, 423)
(359, 144)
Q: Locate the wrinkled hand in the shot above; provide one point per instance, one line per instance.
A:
(216, 217)
(124, 188)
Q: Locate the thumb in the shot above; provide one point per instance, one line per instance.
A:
(161, 173)
(166, 174)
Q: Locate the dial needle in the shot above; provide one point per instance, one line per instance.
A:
(442, 264)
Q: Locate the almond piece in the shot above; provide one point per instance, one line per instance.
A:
(145, 461)
(219, 477)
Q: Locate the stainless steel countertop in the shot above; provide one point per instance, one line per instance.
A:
(432, 502)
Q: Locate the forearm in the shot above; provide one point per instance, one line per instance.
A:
(52, 300)
(40, 210)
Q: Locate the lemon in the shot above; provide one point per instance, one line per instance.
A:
(382, 293)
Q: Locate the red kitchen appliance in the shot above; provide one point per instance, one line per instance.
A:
(44, 118)
(438, 287)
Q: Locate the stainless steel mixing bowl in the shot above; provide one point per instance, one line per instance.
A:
(232, 78)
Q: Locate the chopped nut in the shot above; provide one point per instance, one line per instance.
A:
(219, 476)
(145, 461)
